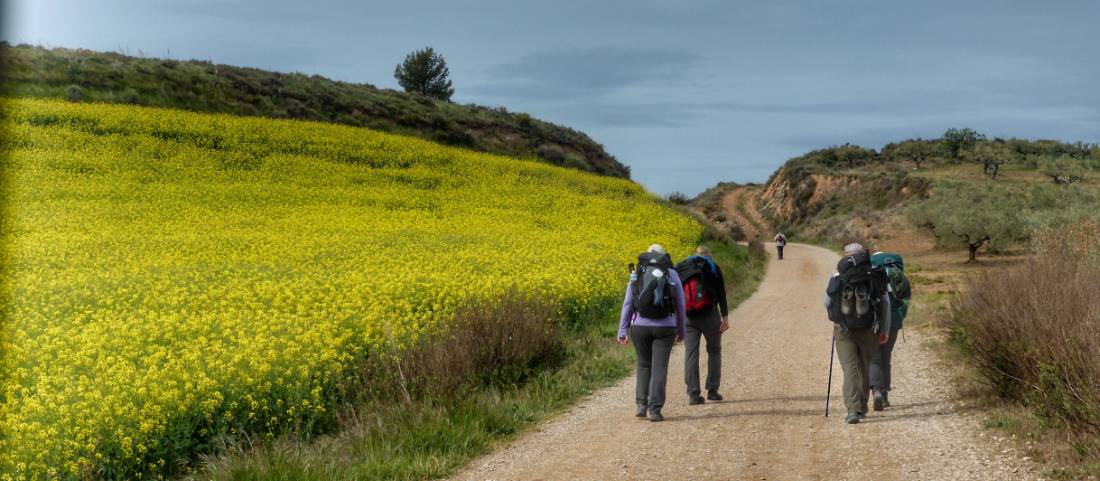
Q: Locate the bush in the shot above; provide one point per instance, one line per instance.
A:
(1033, 331)
(678, 198)
(73, 93)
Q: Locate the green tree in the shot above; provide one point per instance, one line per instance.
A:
(425, 72)
(916, 151)
(1063, 169)
(973, 216)
(958, 140)
(992, 155)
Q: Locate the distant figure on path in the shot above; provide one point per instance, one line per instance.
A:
(707, 317)
(780, 243)
(653, 313)
(858, 304)
(900, 293)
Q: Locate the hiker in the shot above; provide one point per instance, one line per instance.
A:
(653, 310)
(707, 317)
(900, 293)
(780, 243)
(858, 304)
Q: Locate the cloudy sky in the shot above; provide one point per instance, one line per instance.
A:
(687, 93)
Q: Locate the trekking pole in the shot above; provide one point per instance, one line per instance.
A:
(829, 387)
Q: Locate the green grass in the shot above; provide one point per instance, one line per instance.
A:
(430, 438)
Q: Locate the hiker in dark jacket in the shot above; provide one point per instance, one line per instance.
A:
(709, 321)
(653, 338)
(857, 346)
(900, 294)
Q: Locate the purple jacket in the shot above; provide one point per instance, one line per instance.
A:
(676, 320)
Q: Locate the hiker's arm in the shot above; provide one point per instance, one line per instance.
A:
(628, 310)
(681, 310)
(722, 305)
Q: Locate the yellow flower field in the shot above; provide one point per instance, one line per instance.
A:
(174, 276)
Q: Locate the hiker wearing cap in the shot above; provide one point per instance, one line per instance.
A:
(780, 243)
(900, 293)
(858, 304)
(707, 318)
(653, 317)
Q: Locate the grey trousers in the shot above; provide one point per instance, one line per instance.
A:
(654, 347)
(880, 368)
(703, 326)
(856, 351)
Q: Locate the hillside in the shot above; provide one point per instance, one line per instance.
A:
(178, 280)
(847, 193)
(84, 75)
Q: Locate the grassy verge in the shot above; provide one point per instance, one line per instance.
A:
(432, 436)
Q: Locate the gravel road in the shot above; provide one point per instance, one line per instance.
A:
(771, 425)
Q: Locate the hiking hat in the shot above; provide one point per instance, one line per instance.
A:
(853, 249)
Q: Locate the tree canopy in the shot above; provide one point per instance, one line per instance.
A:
(425, 72)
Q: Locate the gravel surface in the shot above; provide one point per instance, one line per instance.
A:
(771, 425)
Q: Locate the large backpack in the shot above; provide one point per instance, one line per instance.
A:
(653, 289)
(854, 294)
(894, 266)
(698, 275)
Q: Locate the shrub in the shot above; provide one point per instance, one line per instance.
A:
(73, 93)
(678, 198)
(1033, 331)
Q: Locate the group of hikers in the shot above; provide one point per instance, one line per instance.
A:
(866, 299)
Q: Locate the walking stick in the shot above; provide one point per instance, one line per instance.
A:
(829, 387)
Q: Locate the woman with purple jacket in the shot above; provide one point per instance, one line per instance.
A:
(653, 316)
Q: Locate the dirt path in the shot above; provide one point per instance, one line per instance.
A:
(739, 206)
(770, 427)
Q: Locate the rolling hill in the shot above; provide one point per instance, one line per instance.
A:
(85, 75)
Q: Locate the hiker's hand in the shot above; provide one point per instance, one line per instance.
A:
(623, 340)
(883, 337)
(724, 326)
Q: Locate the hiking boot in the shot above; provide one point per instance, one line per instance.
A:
(880, 400)
(695, 400)
(712, 395)
(655, 415)
(853, 418)
(641, 411)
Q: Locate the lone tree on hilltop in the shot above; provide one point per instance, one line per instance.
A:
(916, 151)
(425, 72)
(973, 216)
(992, 155)
(957, 140)
(1064, 169)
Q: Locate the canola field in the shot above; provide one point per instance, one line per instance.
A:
(173, 277)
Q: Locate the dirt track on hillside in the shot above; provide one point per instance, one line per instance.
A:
(747, 216)
(770, 427)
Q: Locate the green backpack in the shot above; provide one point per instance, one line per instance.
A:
(900, 290)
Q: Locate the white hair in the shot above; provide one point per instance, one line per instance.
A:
(853, 249)
(657, 248)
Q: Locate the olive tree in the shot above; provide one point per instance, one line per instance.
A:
(916, 151)
(972, 216)
(992, 155)
(1063, 169)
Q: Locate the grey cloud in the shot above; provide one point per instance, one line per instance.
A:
(591, 72)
